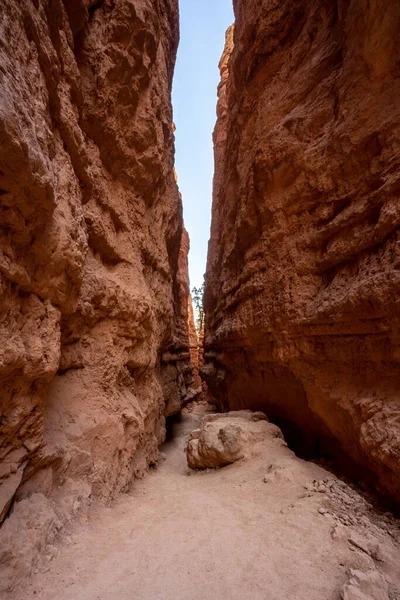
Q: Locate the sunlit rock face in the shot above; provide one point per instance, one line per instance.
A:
(303, 279)
(91, 232)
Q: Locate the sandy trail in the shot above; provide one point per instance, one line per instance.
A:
(225, 534)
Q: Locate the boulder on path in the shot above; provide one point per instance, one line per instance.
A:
(225, 438)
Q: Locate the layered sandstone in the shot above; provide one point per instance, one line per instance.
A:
(303, 275)
(95, 348)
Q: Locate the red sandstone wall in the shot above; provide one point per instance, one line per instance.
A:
(303, 280)
(91, 231)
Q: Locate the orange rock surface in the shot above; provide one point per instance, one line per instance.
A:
(303, 279)
(95, 350)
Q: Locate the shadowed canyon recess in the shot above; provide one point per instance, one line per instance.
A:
(301, 342)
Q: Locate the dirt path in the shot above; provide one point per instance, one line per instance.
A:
(271, 528)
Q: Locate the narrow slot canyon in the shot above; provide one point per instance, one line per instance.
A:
(165, 436)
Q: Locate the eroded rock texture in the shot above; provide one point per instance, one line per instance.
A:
(303, 280)
(93, 344)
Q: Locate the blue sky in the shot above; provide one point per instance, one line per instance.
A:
(203, 26)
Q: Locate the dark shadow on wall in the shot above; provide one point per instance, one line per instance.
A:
(171, 425)
(276, 391)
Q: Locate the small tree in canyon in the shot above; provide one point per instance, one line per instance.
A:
(197, 297)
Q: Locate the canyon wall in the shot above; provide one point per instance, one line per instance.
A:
(195, 346)
(303, 275)
(93, 268)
